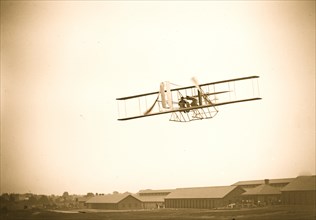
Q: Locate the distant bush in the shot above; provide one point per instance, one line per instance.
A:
(4, 210)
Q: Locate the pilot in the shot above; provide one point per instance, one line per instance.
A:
(182, 103)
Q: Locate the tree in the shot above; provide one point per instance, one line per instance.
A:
(13, 197)
(5, 197)
(32, 200)
(65, 194)
(43, 200)
(90, 194)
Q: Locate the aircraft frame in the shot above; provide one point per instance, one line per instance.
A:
(200, 101)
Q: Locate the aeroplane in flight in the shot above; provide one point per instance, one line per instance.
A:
(185, 104)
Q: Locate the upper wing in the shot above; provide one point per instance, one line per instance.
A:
(189, 87)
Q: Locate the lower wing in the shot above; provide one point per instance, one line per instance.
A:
(189, 108)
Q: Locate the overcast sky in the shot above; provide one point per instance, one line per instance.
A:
(63, 64)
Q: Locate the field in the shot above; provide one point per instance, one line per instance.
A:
(267, 213)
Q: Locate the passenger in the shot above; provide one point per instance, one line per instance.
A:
(194, 102)
(184, 104)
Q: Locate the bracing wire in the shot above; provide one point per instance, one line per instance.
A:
(139, 107)
(175, 84)
(235, 90)
(125, 108)
(230, 98)
(258, 88)
(253, 88)
(118, 109)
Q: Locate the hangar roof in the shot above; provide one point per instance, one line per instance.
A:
(155, 191)
(263, 189)
(150, 198)
(301, 183)
(259, 182)
(201, 192)
(83, 199)
(112, 198)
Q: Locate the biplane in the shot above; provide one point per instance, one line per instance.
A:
(185, 104)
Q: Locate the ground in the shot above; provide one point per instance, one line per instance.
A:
(266, 213)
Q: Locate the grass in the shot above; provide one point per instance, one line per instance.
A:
(266, 213)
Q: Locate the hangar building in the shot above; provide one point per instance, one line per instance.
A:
(114, 202)
(264, 194)
(153, 199)
(301, 191)
(203, 197)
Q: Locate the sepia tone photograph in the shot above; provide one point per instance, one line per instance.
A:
(158, 110)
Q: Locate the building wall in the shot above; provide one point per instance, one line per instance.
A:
(298, 197)
(234, 196)
(153, 205)
(110, 206)
(205, 203)
(82, 204)
(262, 199)
(195, 203)
(130, 203)
(153, 200)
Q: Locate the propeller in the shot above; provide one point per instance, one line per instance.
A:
(195, 82)
(163, 95)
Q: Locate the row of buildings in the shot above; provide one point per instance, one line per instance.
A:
(289, 191)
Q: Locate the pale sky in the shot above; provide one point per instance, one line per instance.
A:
(63, 64)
